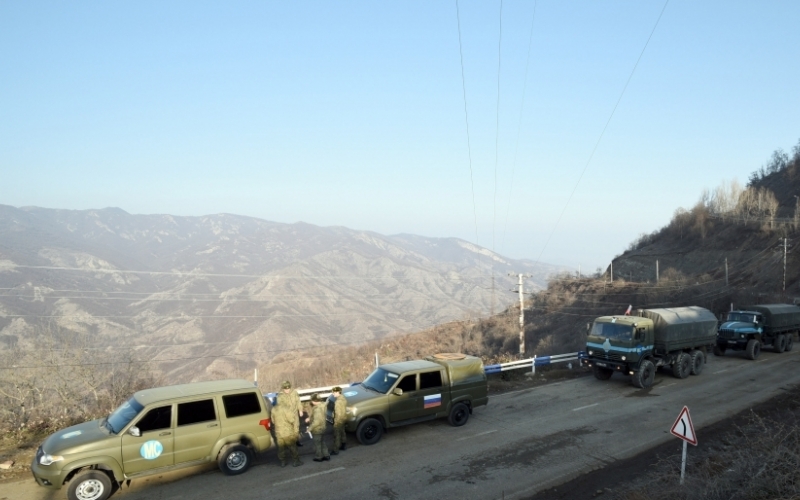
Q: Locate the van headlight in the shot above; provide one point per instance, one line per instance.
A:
(350, 410)
(48, 459)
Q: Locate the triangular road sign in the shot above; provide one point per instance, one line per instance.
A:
(683, 427)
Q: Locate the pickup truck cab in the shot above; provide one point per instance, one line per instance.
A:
(448, 385)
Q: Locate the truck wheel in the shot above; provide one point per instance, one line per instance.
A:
(89, 484)
(698, 362)
(789, 342)
(645, 376)
(459, 414)
(719, 350)
(369, 431)
(753, 348)
(780, 344)
(235, 459)
(682, 366)
(601, 373)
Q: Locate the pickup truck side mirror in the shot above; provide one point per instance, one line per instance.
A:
(398, 392)
(134, 431)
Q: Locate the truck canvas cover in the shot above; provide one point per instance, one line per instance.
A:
(679, 327)
(777, 315)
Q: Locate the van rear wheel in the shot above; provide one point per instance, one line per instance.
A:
(459, 414)
(235, 459)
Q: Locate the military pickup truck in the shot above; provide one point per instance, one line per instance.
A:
(678, 337)
(444, 385)
(753, 327)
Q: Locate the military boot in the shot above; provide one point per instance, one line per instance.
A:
(297, 463)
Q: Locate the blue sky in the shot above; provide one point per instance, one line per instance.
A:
(352, 113)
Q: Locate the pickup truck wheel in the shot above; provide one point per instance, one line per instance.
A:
(459, 414)
(601, 373)
(753, 348)
(698, 362)
(369, 431)
(682, 366)
(89, 484)
(645, 376)
(789, 342)
(780, 343)
(719, 350)
(235, 459)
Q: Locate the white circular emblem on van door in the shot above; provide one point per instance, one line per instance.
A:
(151, 450)
(350, 393)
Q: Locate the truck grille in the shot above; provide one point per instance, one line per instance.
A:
(608, 356)
(726, 334)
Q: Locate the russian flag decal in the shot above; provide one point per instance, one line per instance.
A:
(433, 400)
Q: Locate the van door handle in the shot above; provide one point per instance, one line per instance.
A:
(211, 425)
(165, 434)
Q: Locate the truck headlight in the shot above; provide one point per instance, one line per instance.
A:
(624, 358)
(48, 459)
(591, 353)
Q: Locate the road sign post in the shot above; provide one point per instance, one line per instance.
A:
(684, 429)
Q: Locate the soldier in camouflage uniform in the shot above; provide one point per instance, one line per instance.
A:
(317, 425)
(339, 419)
(288, 398)
(287, 430)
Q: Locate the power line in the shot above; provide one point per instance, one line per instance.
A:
(602, 133)
(466, 120)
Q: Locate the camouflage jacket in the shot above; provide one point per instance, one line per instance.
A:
(286, 422)
(317, 422)
(340, 410)
(290, 401)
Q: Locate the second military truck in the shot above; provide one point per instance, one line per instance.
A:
(754, 327)
(444, 385)
(677, 337)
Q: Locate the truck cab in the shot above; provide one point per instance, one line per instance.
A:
(618, 344)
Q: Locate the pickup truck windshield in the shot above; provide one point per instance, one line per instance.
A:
(120, 417)
(743, 317)
(612, 331)
(380, 380)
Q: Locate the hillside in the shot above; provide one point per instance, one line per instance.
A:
(202, 296)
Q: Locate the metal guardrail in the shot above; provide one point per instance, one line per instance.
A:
(532, 363)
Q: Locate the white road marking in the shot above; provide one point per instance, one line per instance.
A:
(720, 371)
(670, 385)
(476, 435)
(308, 476)
(584, 407)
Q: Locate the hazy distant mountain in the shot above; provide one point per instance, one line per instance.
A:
(190, 289)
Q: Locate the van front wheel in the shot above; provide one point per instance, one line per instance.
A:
(369, 431)
(89, 484)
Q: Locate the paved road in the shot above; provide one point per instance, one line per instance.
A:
(523, 442)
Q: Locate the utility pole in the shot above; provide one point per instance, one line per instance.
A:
(492, 293)
(612, 271)
(521, 319)
(656, 271)
(784, 264)
(726, 271)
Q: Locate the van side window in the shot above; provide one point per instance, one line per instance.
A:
(408, 383)
(196, 411)
(156, 419)
(237, 405)
(430, 380)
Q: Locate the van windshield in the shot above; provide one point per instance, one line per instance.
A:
(612, 331)
(380, 380)
(120, 417)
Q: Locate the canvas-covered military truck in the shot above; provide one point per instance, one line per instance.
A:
(448, 385)
(753, 327)
(677, 337)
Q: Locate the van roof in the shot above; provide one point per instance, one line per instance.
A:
(148, 396)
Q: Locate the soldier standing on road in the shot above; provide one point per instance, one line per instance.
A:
(289, 398)
(317, 425)
(339, 419)
(287, 431)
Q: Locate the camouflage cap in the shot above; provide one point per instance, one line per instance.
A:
(286, 385)
(336, 389)
(315, 398)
